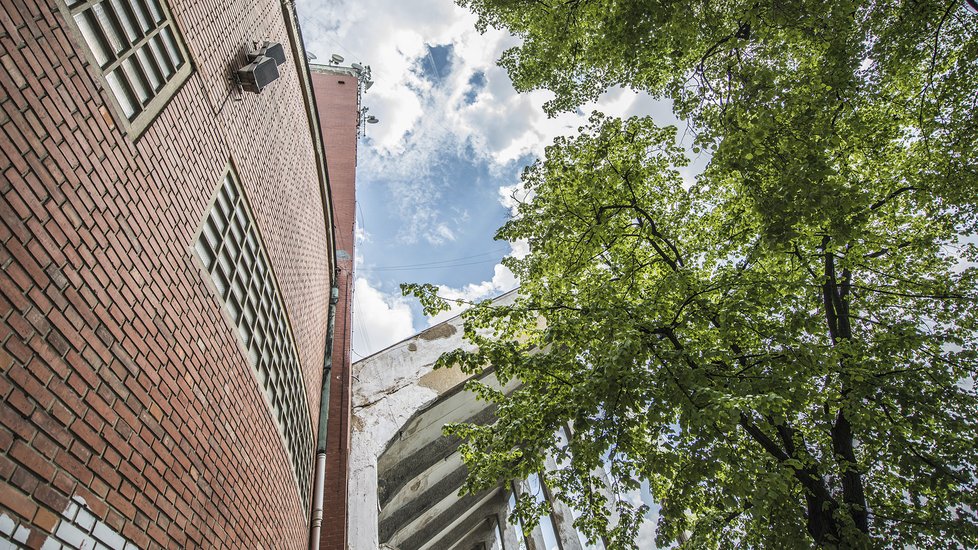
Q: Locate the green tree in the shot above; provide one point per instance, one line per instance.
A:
(785, 348)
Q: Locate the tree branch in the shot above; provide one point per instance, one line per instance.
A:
(892, 196)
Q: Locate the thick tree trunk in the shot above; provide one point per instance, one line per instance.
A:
(821, 525)
(835, 295)
(852, 483)
(821, 506)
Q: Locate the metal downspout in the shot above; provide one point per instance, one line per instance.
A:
(319, 482)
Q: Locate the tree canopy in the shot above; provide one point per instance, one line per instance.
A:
(785, 348)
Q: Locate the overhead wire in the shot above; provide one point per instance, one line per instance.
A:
(363, 329)
(357, 321)
(442, 266)
(451, 262)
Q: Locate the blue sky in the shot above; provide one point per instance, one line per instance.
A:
(436, 175)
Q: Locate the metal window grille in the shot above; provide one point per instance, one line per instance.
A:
(231, 250)
(134, 45)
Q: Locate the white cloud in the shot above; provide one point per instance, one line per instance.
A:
(361, 235)
(471, 112)
(502, 281)
(511, 196)
(424, 122)
(379, 319)
(442, 233)
(646, 531)
(519, 248)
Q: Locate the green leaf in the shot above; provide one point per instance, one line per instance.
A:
(785, 349)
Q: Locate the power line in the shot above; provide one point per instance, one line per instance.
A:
(445, 266)
(362, 328)
(363, 220)
(443, 263)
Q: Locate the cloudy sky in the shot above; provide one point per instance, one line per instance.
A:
(436, 175)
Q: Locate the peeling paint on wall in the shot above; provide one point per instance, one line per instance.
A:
(444, 330)
(389, 389)
(442, 380)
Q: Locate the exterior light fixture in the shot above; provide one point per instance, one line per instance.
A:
(262, 67)
(365, 119)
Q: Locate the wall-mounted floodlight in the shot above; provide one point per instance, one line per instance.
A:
(273, 50)
(258, 74)
(371, 119)
(262, 67)
(336, 59)
(368, 84)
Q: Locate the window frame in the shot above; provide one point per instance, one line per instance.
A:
(274, 346)
(144, 115)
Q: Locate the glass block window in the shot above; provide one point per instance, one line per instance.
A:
(231, 251)
(135, 46)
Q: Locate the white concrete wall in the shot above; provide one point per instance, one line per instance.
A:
(388, 389)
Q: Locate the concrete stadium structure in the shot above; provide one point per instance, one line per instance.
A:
(405, 474)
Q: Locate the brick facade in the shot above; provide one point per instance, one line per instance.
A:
(336, 92)
(121, 382)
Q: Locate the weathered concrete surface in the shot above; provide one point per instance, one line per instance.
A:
(405, 474)
(392, 498)
(390, 389)
(478, 532)
(456, 526)
(443, 489)
(396, 473)
(562, 516)
(535, 540)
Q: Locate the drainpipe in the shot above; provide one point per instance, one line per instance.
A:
(319, 482)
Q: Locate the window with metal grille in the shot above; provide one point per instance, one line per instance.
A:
(137, 50)
(231, 250)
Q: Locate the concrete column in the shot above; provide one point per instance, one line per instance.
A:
(535, 540)
(362, 495)
(511, 532)
(495, 541)
(563, 516)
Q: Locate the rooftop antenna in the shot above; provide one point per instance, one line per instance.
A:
(335, 59)
(310, 56)
(363, 74)
(365, 119)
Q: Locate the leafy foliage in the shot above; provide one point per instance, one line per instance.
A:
(786, 348)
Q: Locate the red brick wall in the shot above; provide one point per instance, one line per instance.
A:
(120, 380)
(336, 98)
